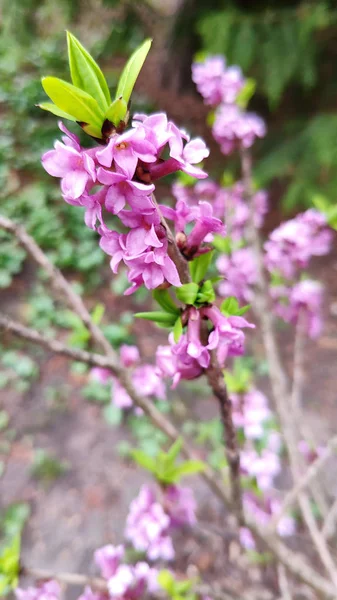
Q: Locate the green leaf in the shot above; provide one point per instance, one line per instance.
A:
(199, 266)
(161, 318)
(246, 93)
(189, 467)
(52, 108)
(187, 293)
(117, 111)
(206, 293)
(175, 450)
(222, 244)
(177, 330)
(230, 306)
(75, 102)
(144, 460)
(113, 415)
(166, 581)
(165, 301)
(131, 71)
(9, 564)
(97, 313)
(85, 72)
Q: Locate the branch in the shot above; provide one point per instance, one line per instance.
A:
(310, 474)
(68, 578)
(58, 281)
(278, 379)
(329, 525)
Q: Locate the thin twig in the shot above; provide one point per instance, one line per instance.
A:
(58, 281)
(329, 525)
(67, 578)
(278, 379)
(296, 406)
(283, 583)
(310, 474)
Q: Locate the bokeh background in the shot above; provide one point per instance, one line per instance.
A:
(62, 458)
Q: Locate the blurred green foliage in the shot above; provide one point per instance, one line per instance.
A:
(289, 49)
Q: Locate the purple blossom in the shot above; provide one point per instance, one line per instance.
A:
(250, 412)
(291, 245)
(180, 505)
(265, 512)
(234, 128)
(74, 166)
(264, 466)
(144, 251)
(205, 225)
(147, 526)
(49, 590)
(300, 304)
(215, 82)
(133, 581)
(246, 538)
(240, 274)
(89, 594)
(129, 355)
(145, 377)
(227, 336)
(174, 361)
(108, 559)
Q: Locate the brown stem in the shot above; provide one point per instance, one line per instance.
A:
(216, 381)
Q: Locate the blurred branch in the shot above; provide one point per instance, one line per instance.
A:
(310, 474)
(329, 525)
(278, 379)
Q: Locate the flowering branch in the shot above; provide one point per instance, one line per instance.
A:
(278, 379)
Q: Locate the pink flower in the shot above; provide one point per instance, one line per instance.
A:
(206, 224)
(126, 149)
(250, 412)
(122, 190)
(180, 505)
(133, 581)
(108, 559)
(240, 274)
(234, 128)
(73, 165)
(227, 336)
(129, 355)
(88, 594)
(215, 82)
(49, 590)
(292, 244)
(147, 526)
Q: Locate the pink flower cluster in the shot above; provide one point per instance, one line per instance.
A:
(240, 274)
(215, 82)
(149, 521)
(291, 245)
(48, 590)
(289, 250)
(125, 581)
(301, 303)
(117, 179)
(233, 128)
(144, 377)
(187, 358)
